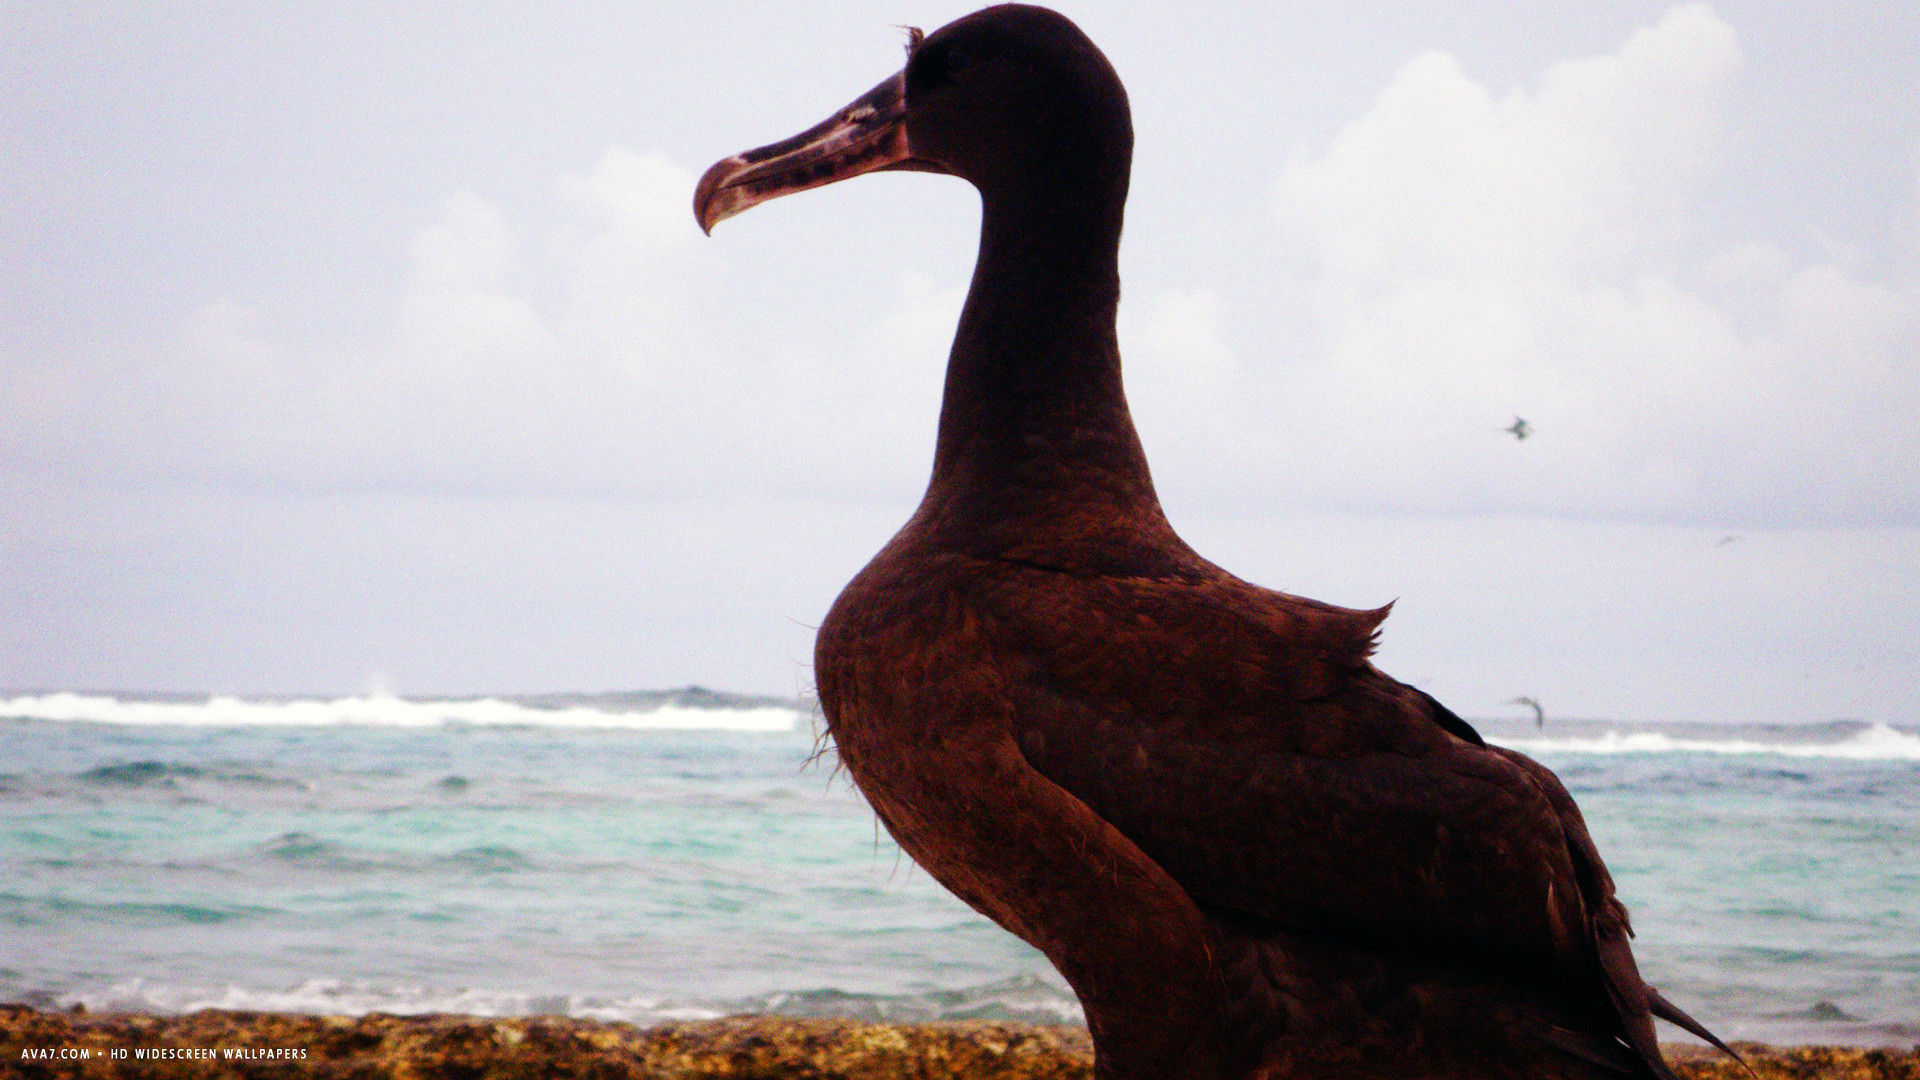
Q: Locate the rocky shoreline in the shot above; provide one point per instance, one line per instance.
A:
(219, 1044)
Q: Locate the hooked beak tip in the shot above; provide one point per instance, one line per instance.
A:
(710, 207)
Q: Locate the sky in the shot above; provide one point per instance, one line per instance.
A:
(356, 347)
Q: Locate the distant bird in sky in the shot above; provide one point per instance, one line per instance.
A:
(1727, 539)
(1520, 429)
(1539, 714)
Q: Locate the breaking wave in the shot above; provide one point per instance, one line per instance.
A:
(385, 710)
(1023, 998)
(1864, 742)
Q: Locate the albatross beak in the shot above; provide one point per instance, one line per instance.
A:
(866, 136)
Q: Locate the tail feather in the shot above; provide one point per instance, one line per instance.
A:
(1610, 1054)
(1632, 999)
(1668, 1011)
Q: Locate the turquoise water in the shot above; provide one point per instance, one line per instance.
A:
(618, 859)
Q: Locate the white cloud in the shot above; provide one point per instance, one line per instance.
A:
(1444, 179)
(1173, 347)
(593, 343)
(469, 336)
(629, 275)
(1470, 255)
(1477, 256)
(1181, 376)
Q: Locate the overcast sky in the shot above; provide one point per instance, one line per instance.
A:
(353, 346)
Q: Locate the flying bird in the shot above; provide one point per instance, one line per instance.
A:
(1520, 429)
(1539, 714)
(1249, 851)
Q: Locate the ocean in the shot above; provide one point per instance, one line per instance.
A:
(674, 855)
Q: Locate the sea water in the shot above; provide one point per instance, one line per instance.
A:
(644, 857)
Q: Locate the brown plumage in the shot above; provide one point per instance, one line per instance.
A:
(1248, 851)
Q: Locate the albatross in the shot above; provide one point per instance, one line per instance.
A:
(1248, 851)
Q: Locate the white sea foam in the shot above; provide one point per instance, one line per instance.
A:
(1021, 998)
(385, 710)
(318, 996)
(1876, 742)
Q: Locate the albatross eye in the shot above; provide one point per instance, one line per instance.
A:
(936, 65)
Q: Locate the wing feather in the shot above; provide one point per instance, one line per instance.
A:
(1241, 738)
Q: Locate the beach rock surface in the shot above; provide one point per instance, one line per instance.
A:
(220, 1044)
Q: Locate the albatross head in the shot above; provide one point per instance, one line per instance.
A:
(1014, 99)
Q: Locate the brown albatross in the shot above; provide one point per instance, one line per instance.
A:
(1250, 852)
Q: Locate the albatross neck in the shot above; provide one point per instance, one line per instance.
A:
(1037, 455)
